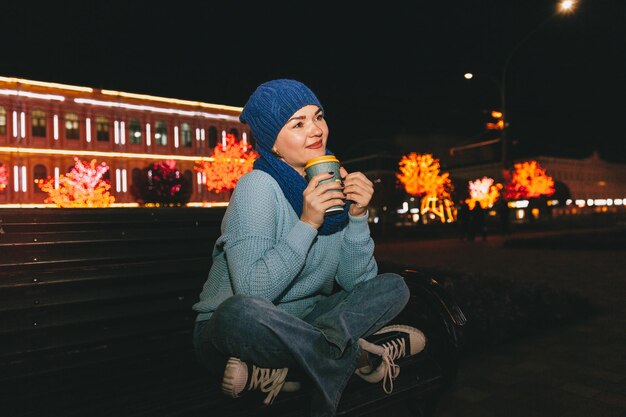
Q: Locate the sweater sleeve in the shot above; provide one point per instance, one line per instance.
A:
(263, 258)
(357, 263)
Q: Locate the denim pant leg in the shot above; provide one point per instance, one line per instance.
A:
(346, 316)
(256, 331)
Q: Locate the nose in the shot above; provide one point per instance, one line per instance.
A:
(315, 129)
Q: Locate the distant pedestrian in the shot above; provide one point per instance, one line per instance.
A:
(477, 224)
(503, 216)
(463, 220)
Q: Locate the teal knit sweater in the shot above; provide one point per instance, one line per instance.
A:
(265, 250)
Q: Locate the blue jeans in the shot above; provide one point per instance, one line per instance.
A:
(322, 345)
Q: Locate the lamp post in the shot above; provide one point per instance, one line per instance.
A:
(563, 7)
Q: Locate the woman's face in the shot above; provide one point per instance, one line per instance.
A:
(303, 137)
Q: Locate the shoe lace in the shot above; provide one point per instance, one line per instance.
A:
(267, 380)
(394, 349)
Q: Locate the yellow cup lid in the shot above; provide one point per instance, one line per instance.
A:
(320, 159)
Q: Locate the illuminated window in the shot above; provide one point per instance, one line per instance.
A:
(3, 121)
(134, 131)
(212, 137)
(40, 173)
(38, 123)
(71, 126)
(185, 130)
(102, 128)
(160, 133)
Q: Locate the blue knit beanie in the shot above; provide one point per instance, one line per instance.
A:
(271, 105)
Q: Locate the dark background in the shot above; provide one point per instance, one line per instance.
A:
(389, 69)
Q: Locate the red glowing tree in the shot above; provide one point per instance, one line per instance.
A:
(162, 183)
(230, 161)
(83, 186)
(529, 180)
(4, 177)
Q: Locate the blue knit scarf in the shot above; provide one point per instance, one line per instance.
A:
(293, 185)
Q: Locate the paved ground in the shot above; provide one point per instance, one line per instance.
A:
(577, 370)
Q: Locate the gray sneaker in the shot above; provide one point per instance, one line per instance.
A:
(384, 347)
(271, 381)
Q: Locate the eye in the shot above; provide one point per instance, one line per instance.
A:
(320, 116)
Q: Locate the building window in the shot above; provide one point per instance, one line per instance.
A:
(185, 130)
(212, 137)
(3, 121)
(38, 123)
(102, 129)
(40, 174)
(160, 133)
(234, 132)
(134, 131)
(71, 126)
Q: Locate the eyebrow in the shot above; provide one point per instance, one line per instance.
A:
(319, 110)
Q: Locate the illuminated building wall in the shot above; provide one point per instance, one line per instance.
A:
(43, 126)
(587, 178)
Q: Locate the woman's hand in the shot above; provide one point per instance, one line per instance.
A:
(358, 189)
(316, 200)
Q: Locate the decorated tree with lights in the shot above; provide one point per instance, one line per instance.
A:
(83, 186)
(421, 176)
(529, 180)
(231, 160)
(483, 192)
(162, 183)
(4, 177)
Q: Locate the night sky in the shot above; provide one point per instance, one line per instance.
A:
(395, 69)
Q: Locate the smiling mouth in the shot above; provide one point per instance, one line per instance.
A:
(315, 145)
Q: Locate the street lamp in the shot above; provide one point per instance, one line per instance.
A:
(563, 7)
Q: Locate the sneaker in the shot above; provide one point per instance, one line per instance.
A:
(384, 347)
(271, 381)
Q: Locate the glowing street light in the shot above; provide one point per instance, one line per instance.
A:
(563, 7)
(567, 6)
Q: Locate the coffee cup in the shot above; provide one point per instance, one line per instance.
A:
(322, 164)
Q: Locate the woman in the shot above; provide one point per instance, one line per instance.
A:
(291, 288)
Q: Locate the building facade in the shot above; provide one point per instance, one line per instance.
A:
(588, 178)
(44, 126)
(584, 185)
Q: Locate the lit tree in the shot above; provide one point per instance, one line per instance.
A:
(529, 180)
(83, 186)
(484, 192)
(4, 177)
(162, 183)
(420, 174)
(231, 160)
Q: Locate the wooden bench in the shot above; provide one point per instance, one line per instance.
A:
(96, 320)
